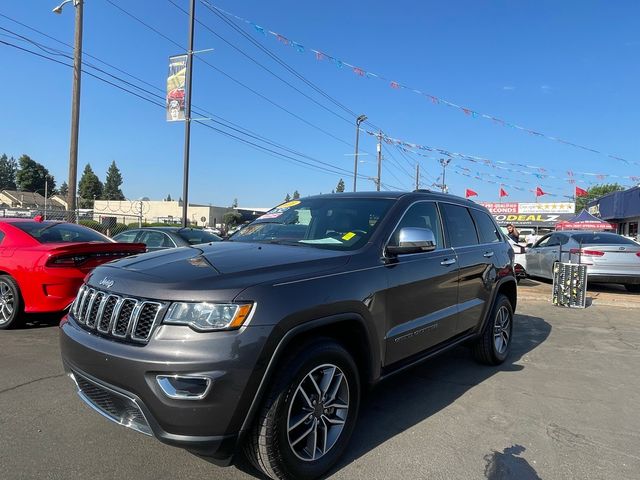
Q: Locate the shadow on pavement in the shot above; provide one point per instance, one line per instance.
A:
(507, 465)
(40, 320)
(410, 397)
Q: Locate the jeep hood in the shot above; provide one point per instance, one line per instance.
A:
(214, 272)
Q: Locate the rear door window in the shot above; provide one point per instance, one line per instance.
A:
(461, 230)
(126, 237)
(153, 239)
(487, 229)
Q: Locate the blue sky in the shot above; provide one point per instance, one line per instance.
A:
(568, 69)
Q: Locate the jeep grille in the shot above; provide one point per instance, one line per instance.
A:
(119, 317)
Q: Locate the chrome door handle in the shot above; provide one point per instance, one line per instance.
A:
(448, 261)
(488, 254)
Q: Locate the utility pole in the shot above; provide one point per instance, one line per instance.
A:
(379, 160)
(46, 194)
(75, 107)
(359, 120)
(417, 176)
(187, 116)
(444, 162)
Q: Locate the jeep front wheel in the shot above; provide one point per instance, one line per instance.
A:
(309, 416)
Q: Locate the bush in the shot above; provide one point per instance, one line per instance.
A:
(97, 226)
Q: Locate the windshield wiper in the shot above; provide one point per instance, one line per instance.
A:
(284, 242)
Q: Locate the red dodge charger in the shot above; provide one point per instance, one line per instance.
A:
(43, 264)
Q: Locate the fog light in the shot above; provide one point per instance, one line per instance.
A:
(184, 387)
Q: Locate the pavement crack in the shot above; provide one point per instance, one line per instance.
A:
(15, 387)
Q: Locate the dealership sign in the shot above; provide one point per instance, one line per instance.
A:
(532, 219)
(529, 208)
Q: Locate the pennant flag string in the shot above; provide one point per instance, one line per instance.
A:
(396, 85)
(540, 172)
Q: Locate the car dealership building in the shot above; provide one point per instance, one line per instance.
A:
(622, 208)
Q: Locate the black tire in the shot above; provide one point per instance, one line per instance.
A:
(633, 288)
(268, 446)
(10, 303)
(486, 348)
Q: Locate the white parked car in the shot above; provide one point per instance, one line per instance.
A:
(520, 260)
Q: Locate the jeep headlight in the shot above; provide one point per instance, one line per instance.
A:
(205, 316)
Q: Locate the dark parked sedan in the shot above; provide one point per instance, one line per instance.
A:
(160, 238)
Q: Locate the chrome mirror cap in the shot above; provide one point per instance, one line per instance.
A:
(413, 240)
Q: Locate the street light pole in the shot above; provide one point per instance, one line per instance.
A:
(359, 120)
(187, 117)
(75, 107)
(444, 162)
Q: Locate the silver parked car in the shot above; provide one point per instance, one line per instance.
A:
(611, 258)
(160, 238)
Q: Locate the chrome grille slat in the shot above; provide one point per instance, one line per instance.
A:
(83, 304)
(94, 309)
(120, 318)
(121, 325)
(106, 315)
(145, 320)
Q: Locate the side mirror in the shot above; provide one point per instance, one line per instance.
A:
(529, 245)
(413, 240)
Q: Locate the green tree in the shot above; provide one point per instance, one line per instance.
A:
(64, 190)
(287, 198)
(112, 184)
(231, 218)
(235, 203)
(340, 186)
(168, 199)
(89, 187)
(296, 195)
(594, 192)
(31, 176)
(8, 169)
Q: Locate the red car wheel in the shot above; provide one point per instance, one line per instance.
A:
(10, 302)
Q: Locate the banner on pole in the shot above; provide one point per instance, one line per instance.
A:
(176, 88)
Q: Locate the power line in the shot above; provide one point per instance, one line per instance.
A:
(329, 168)
(267, 69)
(220, 71)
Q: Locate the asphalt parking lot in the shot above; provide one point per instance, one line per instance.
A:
(563, 406)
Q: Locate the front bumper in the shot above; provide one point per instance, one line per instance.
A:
(126, 374)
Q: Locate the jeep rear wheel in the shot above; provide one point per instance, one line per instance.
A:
(10, 302)
(493, 345)
(309, 416)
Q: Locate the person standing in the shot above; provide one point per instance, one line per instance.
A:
(513, 233)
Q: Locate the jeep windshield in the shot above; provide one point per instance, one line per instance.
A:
(332, 223)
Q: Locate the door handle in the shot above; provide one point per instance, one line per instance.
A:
(488, 254)
(448, 261)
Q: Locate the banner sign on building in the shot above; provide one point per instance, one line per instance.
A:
(531, 214)
(551, 207)
(176, 87)
(532, 219)
(498, 208)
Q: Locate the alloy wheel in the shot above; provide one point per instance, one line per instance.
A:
(502, 330)
(7, 303)
(318, 412)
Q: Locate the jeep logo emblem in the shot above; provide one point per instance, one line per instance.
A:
(106, 282)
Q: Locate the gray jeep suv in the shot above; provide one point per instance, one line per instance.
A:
(264, 344)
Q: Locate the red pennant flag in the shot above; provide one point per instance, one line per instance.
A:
(539, 192)
(503, 193)
(470, 193)
(581, 192)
